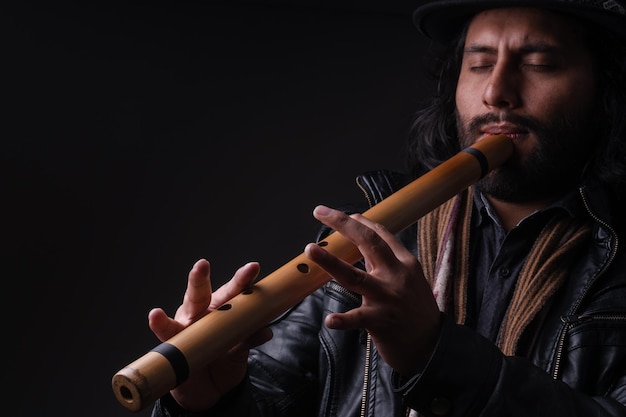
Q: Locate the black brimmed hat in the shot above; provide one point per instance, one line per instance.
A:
(442, 20)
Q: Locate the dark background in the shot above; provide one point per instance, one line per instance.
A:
(138, 139)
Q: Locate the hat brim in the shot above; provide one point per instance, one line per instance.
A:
(443, 20)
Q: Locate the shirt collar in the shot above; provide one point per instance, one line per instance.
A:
(570, 203)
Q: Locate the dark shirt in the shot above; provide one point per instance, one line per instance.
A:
(496, 258)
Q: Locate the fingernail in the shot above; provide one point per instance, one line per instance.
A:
(322, 211)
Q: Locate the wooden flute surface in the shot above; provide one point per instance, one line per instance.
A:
(152, 375)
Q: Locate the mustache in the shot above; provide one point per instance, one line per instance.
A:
(527, 123)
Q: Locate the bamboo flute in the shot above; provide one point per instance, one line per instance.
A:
(151, 376)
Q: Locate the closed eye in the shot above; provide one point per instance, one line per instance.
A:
(540, 67)
(481, 68)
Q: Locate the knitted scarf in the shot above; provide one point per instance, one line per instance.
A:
(444, 253)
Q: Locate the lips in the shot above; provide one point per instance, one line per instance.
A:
(510, 130)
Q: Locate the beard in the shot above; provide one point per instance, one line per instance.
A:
(554, 166)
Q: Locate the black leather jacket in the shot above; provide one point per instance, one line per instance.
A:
(577, 368)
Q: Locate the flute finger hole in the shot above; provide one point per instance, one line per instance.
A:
(304, 268)
(225, 307)
(322, 243)
(247, 292)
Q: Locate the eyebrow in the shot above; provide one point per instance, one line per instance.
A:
(537, 47)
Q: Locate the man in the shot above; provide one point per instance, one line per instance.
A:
(529, 313)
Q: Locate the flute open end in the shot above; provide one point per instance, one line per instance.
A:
(142, 382)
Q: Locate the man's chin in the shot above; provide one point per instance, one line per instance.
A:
(508, 186)
(515, 192)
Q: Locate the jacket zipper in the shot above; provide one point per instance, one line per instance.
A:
(368, 346)
(366, 373)
(335, 286)
(571, 320)
(370, 202)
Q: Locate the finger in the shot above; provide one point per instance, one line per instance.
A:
(358, 318)
(198, 293)
(162, 326)
(350, 277)
(396, 246)
(243, 279)
(379, 247)
(353, 228)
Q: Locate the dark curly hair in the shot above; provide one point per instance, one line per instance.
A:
(432, 136)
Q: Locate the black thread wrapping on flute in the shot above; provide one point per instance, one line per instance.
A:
(176, 359)
(482, 160)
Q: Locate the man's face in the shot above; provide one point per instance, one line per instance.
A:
(527, 73)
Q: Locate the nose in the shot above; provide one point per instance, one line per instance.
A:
(502, 88)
